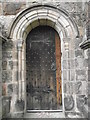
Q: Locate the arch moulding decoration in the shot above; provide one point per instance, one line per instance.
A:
(27, 20)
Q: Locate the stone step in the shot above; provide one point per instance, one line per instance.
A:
(45, 115)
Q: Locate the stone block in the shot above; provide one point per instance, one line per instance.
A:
(4, 65)
(0, 108)
(80, 100)
(17, 115)
(84, 87)
(78, 87)
(0, 65)
(72, 75)
(65, 55)
(69, 102)
(6, 76)
(81, 75)
(86, 62)
(0, 55)
(35, 24)
(15, 88)
(0, 8)
(71, 54)
(19, 105)
(10, 89)
(88, 75)
(64, 75)
(8, 45)
(5, 106)
(12, 8)
(77, 42)
(15, 75)
(71, 64)
(0, 76)
(79, 63)
(88, 88)
(65, 64)
(74, 115)
(79, 53)
(7, 55)
(69, 88)
(0, 44)
(4, 87)
(10, 65)
(0, 89)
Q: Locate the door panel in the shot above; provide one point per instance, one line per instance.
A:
(43, 69)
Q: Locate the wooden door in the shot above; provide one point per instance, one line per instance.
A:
(43, 69)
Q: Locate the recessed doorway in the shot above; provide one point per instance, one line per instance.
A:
(43, 70)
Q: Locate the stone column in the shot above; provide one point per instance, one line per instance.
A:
(86, 47)
(19, 47)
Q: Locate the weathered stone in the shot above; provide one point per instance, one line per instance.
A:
(10, 65)
(4, 89)
(10, 89)
(80, 75)
(8, 45)
(72, 75)
(0, 76)
(79, 53)
(0, 66)
(65, 55)
(0, 89)
(0, 108)
(19, 105)
(0, 54)
(4, 65)
(7, 55)
(12, 8)
(79, 62)
(0, 8)
(86, 62)
(69, 87)
(77, 42)
(88, 88)
(69, 102)
(64, 74)
(17, 115)
(76, 115)
(71, 64)
(6, 106)
(64, 64)
(71, 54)
(80, 101)
(78, 89)
(6, 76)
(15, 88)
(68, 63)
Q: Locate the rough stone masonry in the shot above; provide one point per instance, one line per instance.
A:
(75, 61)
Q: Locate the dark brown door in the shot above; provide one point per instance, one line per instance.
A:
(43, 69)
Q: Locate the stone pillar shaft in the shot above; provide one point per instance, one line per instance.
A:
(20, 70)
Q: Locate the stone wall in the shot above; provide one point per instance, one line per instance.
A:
(0, 78)
(75, 65)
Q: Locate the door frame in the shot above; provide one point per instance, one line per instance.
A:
(56, 34)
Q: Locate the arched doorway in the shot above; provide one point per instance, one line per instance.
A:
(43, 69)
(27, 20)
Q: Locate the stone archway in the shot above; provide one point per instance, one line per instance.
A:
(27, 20)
